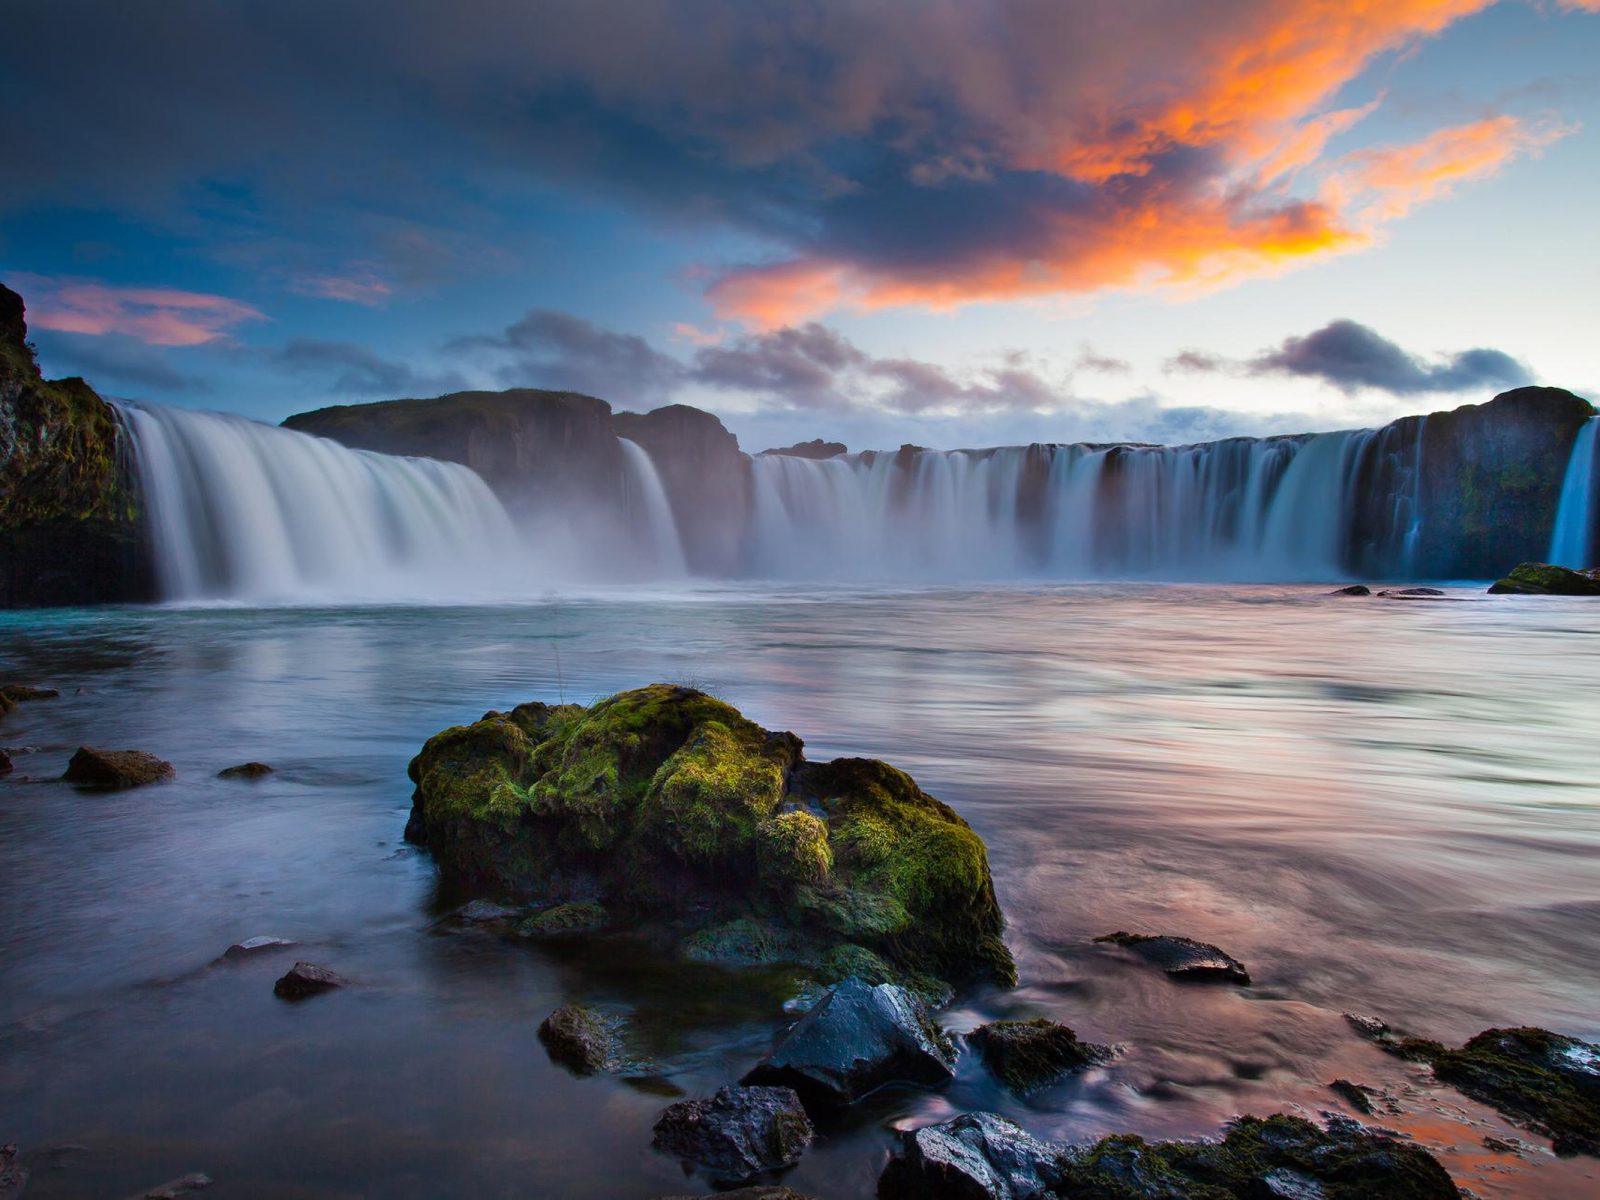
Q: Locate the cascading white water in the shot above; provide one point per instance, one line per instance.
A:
(1572, 542)
(239, 510)
(645, 503)
(1269, 509)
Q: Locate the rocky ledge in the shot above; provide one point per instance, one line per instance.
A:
(670, 812)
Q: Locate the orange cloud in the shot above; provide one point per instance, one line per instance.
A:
(360, 288)
(1186, 188)
(156, 316)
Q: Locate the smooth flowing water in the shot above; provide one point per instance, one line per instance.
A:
(1381, 806)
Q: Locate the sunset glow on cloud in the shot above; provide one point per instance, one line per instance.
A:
(155, 316)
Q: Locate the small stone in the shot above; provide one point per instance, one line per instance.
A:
(582, 1040)
(1405, 593)
(580, 916)
(855, 1041)
(254, 945)
(5, 763)
(1370, 1028)
(486, 910)
(13, 1175)
(1181, 957)
(1355, 589)
(19, 693)
(116, 768)
(307, 979)
(977, 1156)
(174, 1188)
(739, 1133)
(249, 770)
(1353, 1094)
(1028, 1055)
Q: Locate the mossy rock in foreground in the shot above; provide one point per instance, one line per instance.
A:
(1546, 579)
(673, 811)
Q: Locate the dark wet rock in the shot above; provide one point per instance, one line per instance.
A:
(1357, 1096)
(977, 1156)
(478, 912)
(1545, 1081)
(249, 770)
(739, 1133)
(776, 1192)
(1181, 957)
(1543, 579)
(580, 916)
(858, 1039)
(13, 1175)
(1280, 1157)
(255, 945)
(5, 763)
(175, 1188)
(582, 1040)
(18, 693)
(1355, 589)
(670, 810)
(816, 448)
(307, 979)
(116, 768)
(1411, 591)
(1370, 1028)
(1028, 1055)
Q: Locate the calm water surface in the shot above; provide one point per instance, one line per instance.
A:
(1380, 806)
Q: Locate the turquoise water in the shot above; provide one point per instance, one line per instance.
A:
(1386, 807)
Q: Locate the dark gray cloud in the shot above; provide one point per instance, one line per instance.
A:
(803, 366)
(551, 349)
(347, 367)
(115, 363)
(1352, 356)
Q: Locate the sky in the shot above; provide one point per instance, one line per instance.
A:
(949, 222)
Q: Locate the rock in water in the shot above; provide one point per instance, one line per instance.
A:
(582, 1040)
(1543, 579)
(5, 763)
(477, 912)
(1411, 591)
(175, 1188)
(1357, 1096)
(747, 1193)
(19, 693)
(1542, 1080)
(249, 770)
(116, 768)
(306, 979)
(977, 1156)
(255, 945)
(1355, 589)
(858, 1039)
(667, 807)
(582, 916)
(1181, 957)
(1028, 1055)
(13, 1175)
(738, 1133)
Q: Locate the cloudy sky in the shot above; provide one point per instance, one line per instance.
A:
(955, 222)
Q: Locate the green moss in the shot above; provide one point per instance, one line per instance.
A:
(1028, 1055)
(1544, 579)
(669, 805)
(582, 916)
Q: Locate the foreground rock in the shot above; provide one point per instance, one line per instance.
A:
(1543, 579)
(582, 1040)
(1542, 1080)
(249, 770)
(1029, 1055)
(739, 1133)
(670, 810)
(1355, 589)
(858, 1039)
(116, 768)
(5, 763)
(1181, 957)
(980, 1156)
(977, 1156)
(255, 945)
(307, 979)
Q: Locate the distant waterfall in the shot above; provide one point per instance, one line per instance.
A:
(645, 504)
(244, 511)
(1572, 544)
(1287, 508)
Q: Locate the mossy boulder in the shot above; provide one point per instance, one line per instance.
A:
(1545, 579)
(673, 811)
(1029, 1055)
(582, 1040)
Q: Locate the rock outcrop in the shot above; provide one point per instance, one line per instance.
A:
(113, 769)
(1544, 579)
(707, 479)
(70, 531)
(738, 1134)
(675, 813)
(816, 449)
(1029, 1055)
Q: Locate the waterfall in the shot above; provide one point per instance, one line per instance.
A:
(1572, 543)
(647, 507)
(239, 510)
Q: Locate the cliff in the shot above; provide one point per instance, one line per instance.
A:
(69, 514)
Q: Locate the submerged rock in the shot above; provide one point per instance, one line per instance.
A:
(255, 945)
(1544, 579)
(1181, 957)
(1028, 1055)
(582, 1040)
(977, 1156)
(668, 808)
(583, 916)
(477, 912)
(307, 979)
(19, 693)
(1544, 1081)
(1355, 589)
(739, 1133)
(116, 768)
(1357, 1096)
(249, 770)
(858, 1039)
(1406, 593)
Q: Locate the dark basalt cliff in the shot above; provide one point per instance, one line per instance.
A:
(69, 519)
(707, 478)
